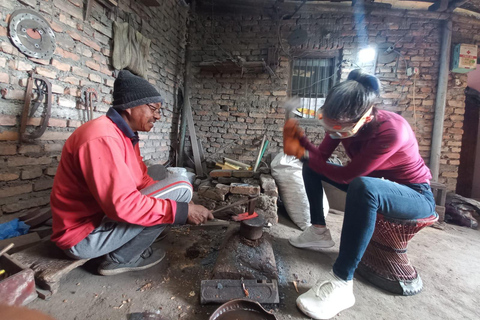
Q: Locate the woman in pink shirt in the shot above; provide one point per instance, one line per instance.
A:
(386, 174)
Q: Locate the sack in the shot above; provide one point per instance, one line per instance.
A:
(287, 172)
(130, 49)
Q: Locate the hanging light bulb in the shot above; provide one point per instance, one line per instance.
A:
(367, 54)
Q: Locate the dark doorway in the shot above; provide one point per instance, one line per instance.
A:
(468, 182)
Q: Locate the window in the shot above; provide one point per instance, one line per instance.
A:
(311, 80)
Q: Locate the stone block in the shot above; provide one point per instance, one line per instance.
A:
(51, 171)
(267, 182)
(9, 176)
(242, 173)
(43, 185)
(32, 173)
(244, 188)
(16, 190)
(8, 149)
(210, 193)
(228, 180)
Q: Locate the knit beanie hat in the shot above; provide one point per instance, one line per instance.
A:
(130, 91)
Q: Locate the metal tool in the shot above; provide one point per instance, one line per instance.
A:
(87, 95)
(237, 203)
(32, 34)
(44, 91)
(222, 290)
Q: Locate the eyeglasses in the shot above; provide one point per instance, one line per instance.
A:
(344, 130)
(154, 109)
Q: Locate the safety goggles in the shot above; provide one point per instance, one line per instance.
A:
(338, 130)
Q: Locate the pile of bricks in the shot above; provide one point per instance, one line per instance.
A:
(224, 187)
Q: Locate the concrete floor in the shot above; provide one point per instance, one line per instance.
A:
(447, 260)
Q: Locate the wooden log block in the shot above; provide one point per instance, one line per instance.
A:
(49, 263)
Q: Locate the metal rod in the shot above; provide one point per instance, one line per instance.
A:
(441, 99)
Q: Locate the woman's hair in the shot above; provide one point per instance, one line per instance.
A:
(349, 100)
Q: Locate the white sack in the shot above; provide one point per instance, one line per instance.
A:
(287, 172)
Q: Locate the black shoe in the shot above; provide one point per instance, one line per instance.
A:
(147, 259)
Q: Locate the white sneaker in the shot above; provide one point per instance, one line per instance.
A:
(309, 239)
(325, 299)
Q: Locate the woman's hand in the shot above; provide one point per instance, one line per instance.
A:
(292, 147)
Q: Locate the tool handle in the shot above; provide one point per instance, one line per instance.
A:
(10, 246)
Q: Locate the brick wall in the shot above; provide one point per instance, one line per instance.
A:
(232, 111)
(243, 107)
(82, 58)
(468, 33)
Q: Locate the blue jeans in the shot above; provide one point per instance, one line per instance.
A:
(365, 197)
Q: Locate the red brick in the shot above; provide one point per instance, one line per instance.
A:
(91, 44)
(75, 35)
(46, 73)
(66, 54)
(72, 80)
(4, 78)
(15, 95)
(60, 65)
(40, 61)
(7, 120)
(60, 123)
(93, 65)
(80, 72)
(243, 188)
(3, 31)
(74, 123)
(51, 135)
(95, 78)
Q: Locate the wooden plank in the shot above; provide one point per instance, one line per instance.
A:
(49, 263)
(20, 242)
(43, 215)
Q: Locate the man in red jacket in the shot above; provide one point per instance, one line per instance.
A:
(103, 201)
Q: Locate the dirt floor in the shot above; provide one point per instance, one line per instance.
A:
(447, 260)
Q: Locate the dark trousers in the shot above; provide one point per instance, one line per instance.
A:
(365, 197)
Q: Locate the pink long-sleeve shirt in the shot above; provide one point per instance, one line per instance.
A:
(384, 148)
(101, 173)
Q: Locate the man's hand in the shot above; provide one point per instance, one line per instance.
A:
(198, 214)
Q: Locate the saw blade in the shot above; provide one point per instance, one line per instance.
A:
(32, 34)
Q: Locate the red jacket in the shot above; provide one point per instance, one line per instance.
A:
(384, 148)
(100, 173)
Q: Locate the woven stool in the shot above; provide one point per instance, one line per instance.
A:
(385, 262)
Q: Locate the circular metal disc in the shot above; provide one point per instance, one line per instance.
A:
(297, 37)
(383, 56)
(32, 34)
